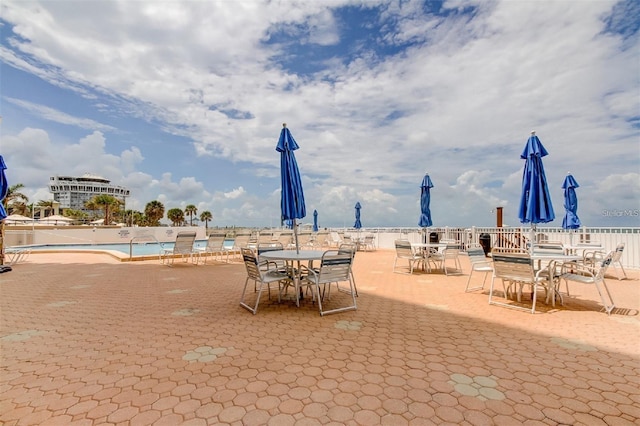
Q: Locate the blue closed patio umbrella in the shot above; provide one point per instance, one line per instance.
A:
(571, 219)
(358, 224)
(535, 200)
(315, 221)
(425, 200)
(292, 196)
(4, 188)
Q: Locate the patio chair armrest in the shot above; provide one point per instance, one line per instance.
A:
(267, 263)
(549, 271)
(592, 255)
(575, 268)
(305, 272)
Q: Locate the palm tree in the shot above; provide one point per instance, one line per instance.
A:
(137, 218)
(16, 201)
(18, 207)
(154, 210)
(205, 217)
(107, 203)
(93, 207)
(176, 216)
(191, 210)
(79, 215)
(46, 205)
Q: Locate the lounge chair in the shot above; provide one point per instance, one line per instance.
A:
(183, 248)
(215, 247)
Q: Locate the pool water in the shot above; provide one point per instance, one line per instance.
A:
(138, 249)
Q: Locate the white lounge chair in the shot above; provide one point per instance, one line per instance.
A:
(215, 247)
(183, 248)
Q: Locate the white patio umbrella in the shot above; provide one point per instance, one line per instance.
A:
(16, 219)
(56, 219)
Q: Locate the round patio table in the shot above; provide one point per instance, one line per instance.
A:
(294, 256)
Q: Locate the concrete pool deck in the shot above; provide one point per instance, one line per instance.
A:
(87, 339)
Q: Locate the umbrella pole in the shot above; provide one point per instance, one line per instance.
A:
(295, 235)
(532, 235)
(2, 244)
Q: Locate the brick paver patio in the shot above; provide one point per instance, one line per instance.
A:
(85, 339)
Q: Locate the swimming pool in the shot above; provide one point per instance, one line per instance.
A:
(137, 249)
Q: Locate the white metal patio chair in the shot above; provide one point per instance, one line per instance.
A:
(451, 252)
(518, 271)
(479, 263)
(334, 268)
(594, 258)
(587, 275)
(368, 243)
(182, 248)
(261, 278)
(350, 248)
(404, 251)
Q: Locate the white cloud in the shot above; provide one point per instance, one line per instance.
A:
(458, 103)
(59, 116)
(238, 192)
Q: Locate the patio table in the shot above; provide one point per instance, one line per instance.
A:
(559, 258)
(425, 247)
(291, 256)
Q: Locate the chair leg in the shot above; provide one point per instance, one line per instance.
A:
(624, 274)
(607, 307)
(353, 278)
(493, 279)
(253, 309)
(484, 279)
(534, 289)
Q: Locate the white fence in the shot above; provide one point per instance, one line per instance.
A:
(609, 238)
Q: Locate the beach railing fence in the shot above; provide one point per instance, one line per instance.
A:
(607, 237)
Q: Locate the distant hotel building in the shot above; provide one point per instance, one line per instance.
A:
(74, 192)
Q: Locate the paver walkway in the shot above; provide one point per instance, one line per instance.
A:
(85, 339)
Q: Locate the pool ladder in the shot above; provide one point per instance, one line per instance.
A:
(149, 238)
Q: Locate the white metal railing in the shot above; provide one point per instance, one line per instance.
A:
(608, 237)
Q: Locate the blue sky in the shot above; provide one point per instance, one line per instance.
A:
(183, 102)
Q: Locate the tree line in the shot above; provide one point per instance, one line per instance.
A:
(105, 207)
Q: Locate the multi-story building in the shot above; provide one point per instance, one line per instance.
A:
(73, 192)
